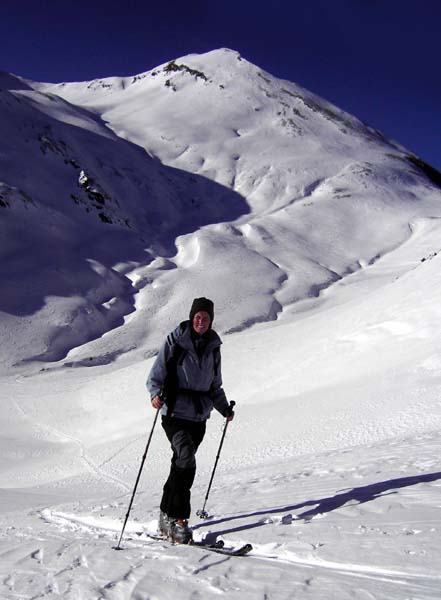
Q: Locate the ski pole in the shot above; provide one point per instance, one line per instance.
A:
(118, 547)
(202, 513)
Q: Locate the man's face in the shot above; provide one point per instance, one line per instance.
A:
(201, 322)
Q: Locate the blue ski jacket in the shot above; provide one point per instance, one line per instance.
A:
(199, 378)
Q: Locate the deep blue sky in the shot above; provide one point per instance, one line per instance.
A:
(377, 59)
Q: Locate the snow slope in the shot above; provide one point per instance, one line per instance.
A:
(325, 194)
(321, 249)
(81, 208)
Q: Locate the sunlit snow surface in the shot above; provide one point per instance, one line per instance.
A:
(319, 244)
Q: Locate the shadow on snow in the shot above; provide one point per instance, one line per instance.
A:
(359, 495)
(63, 239)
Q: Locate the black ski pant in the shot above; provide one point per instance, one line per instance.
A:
(185, 438)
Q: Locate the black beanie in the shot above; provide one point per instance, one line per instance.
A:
(202, 304)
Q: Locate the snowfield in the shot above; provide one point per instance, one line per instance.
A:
(319, 241)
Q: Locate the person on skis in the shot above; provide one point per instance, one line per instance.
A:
(185, 383)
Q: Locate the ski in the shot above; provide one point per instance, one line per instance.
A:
(218, 547)
(240, 551)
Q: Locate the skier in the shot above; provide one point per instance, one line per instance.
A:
(185, 382)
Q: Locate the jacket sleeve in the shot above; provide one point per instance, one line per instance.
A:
(158, 372)
(220, 401)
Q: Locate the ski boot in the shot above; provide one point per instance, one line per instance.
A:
(181, 532)
(165, 525)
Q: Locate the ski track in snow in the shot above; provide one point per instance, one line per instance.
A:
(67, 552)
(91, 466)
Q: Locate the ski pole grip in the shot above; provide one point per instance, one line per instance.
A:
(230, 409)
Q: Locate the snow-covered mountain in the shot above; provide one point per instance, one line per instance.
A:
(269, 190)
(319, 241)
